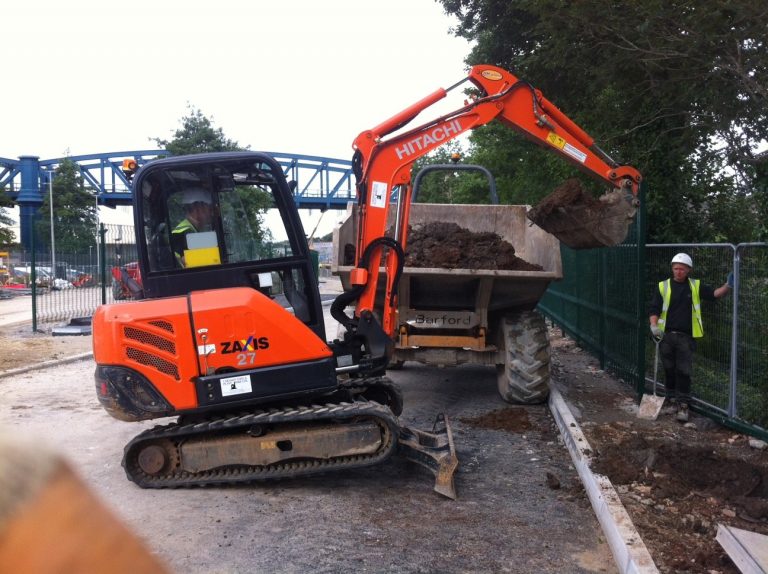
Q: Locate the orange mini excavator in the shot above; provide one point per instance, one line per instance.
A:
(227, 332)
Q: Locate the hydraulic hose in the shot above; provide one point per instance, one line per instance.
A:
(342, 301)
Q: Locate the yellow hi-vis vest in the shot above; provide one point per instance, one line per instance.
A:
(666, 296)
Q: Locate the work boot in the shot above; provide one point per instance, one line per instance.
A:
(682, 413)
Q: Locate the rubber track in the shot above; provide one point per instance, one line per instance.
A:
(231, 475)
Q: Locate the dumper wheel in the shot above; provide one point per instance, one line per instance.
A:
(523, 341)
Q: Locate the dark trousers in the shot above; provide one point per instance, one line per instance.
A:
(676, 351)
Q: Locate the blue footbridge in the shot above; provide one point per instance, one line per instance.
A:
(322, 182)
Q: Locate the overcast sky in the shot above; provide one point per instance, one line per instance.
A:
(289, 76)
(295, 76)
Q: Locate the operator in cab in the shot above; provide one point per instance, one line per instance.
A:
(198, 214)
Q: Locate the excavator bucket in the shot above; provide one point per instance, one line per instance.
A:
(434, 451)
(582, 221)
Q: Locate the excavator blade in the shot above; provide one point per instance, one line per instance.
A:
(434, 451)
(581, 221)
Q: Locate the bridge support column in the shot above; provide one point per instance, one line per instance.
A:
(29, 199)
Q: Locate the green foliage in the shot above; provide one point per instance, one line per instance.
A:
(6, 234)
(674, 88)
(74, 212)
(197, 135)
(257, 201)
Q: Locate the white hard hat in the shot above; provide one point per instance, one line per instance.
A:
(195, 195)
(683, 258)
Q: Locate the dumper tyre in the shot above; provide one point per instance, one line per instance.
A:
(524, 345)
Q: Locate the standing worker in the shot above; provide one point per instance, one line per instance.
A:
(676, 322)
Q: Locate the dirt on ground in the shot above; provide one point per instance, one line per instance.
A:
(450, 246)
(677, 481)
(21, 347)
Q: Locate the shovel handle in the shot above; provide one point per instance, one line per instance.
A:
(656, 366)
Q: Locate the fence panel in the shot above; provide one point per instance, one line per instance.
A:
(72, 285)
(598, 303)
(750, 351)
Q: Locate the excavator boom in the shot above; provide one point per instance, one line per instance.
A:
(383, 166)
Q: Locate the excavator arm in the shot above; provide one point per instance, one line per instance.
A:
(383, 167)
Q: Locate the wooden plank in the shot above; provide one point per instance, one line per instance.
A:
(748, 550)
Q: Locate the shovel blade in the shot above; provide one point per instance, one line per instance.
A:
(581, 221)
(650, 407)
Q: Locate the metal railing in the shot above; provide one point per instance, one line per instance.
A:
(602, 303)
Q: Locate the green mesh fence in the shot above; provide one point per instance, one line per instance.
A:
(599, 304)
(750, 352)
(603, 300)
(72, 285)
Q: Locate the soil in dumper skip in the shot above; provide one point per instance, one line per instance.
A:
(449, 246)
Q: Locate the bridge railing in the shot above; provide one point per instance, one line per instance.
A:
(322, 182)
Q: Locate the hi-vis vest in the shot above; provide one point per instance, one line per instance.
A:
(184, 226)
(666, 296)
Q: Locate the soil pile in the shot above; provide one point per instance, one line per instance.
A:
(449, 246)
(677, 481)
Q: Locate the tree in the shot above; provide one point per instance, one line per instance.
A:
(74, 212)
(197, 135)
(6, 233)
(675, 88)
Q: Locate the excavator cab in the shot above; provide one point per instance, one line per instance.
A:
(229, 313)
(224, 220)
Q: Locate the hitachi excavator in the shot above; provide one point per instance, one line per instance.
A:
(228, 334)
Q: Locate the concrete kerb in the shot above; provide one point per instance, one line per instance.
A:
(628, 549)
(45, 365)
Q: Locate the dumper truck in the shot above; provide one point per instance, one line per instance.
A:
(448, 317)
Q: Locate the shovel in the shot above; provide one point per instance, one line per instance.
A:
(650, 405)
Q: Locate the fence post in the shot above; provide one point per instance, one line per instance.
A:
(102, 262)
(640, 273)
(601, 298)
(33, 276)
(734, 332)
